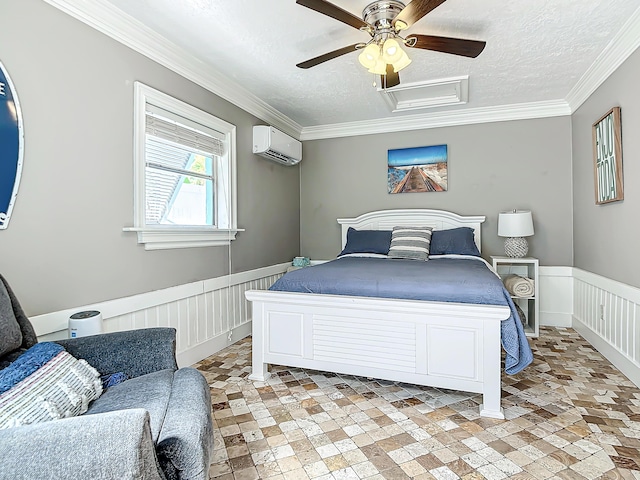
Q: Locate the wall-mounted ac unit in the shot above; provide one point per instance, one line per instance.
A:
(271, 143)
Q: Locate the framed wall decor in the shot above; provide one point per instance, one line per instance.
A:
(418, 169)
(607, 157)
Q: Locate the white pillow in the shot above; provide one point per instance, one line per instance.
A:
(62, 387)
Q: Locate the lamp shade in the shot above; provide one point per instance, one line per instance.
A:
(517, 223)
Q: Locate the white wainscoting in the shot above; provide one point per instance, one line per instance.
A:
(212, 314)
(208, 315)
(556, 296)
(607, 314)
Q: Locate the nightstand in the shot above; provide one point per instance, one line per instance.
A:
(524, 267)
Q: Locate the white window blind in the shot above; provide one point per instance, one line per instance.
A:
(183, 135)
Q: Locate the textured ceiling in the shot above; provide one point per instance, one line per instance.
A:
(536, 50)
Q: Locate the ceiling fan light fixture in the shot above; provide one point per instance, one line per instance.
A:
(391, 51)
(400, 25)
(369, 56)
(380, 68)
(402, 62)
(383, 20)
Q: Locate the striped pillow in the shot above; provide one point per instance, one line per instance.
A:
(47, 384)
(410, 242)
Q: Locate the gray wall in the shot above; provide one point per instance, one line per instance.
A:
(606, 235)
(492, 167)
(64, 246)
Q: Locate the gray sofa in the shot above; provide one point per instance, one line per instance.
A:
(155, 425)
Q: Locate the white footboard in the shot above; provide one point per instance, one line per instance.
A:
(447, 345)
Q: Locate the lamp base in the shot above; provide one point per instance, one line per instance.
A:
(516, 247)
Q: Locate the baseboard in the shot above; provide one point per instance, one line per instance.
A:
(555, 319)
(627, 366)
(213, 345)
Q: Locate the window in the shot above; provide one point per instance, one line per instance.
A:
(185, 174)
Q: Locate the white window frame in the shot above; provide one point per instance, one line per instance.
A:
(158, 237)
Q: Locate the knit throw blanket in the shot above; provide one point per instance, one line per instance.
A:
(46, 383)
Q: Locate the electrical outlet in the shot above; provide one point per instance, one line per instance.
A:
(601, 310)
(230, 335)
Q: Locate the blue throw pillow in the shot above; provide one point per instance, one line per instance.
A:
(367, 241)
(113, 379)
(455, 241)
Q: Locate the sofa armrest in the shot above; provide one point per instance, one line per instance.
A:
(133, 352)
(109, 445)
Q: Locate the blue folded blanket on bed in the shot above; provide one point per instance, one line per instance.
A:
(460, 280)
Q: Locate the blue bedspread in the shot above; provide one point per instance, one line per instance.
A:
(461, 280)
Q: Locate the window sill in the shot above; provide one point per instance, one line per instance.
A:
(168, 238)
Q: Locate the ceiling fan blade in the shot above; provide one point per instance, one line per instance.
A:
(333, 11)
(413, 12)
(328, 56)
(455, 46)
(391, 79)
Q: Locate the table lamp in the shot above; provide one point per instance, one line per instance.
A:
(515, 225)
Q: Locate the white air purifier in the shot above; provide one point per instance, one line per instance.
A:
(83, 324)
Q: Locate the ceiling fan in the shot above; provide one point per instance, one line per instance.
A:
(383, 20)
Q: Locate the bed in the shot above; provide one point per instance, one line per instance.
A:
(427, 339)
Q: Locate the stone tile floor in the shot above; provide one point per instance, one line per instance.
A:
(570, 415)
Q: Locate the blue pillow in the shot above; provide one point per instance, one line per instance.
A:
(113, 379)
(367, 241)
(456, 241)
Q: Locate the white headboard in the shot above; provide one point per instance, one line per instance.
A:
(437, 219)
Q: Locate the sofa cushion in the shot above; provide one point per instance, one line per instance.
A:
(150, 392)
(46, 383)
(186, 440)
(11, 338)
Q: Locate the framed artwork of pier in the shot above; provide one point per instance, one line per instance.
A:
(607, 158)
(417, 169)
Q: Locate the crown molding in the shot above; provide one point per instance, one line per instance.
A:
(113, 22)
(623, 44)
(503, 113)
(104, 17)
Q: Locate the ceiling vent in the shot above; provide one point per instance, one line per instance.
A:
(430, 94)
